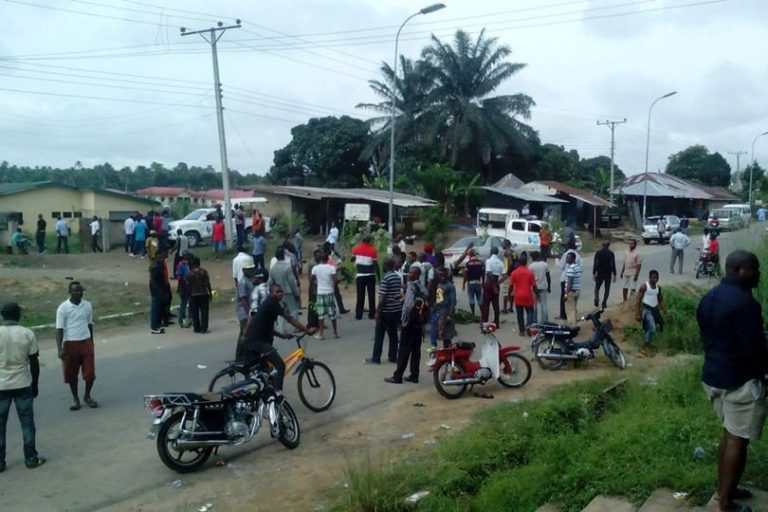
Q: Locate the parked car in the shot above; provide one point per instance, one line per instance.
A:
(197, 225)
(483, 246)
(651, 231)
(729, 219)
(744, 210)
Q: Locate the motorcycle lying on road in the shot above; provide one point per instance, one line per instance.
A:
(189, 426)
(454, 370)
(553, 344)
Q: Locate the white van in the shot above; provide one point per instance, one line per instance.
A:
(744, 210)
(494, 221)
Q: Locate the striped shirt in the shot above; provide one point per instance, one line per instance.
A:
(573, 271)
(390, 290)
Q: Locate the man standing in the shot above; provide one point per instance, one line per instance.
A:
(474, 275)
(139, 237)
(298, 243)
(128, 229)
(678, 242)
(735, 364)
(74, 340)
(257, 251)
(562, 264)
(239, 226)
(199, 295)
(95, 233)
(364, 255)
(219, 237)
(572, 285)
(522, 288)
(630, 270)
(650, 302)
(40, 233)
(333, 236)
(241, 261)
(412, 325)
(494, 274)
(545, 241)
(152, 245)
(244, 291)
(388, 314)
(325, 276)
(19, 373)
(761, 214)
(540, 269)
(62, 235)
(158, 290)
(281, 274)
(603, 272)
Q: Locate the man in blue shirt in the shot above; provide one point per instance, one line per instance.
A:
(259, 246)
(735, 365)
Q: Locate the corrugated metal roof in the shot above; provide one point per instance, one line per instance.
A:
(7, 189)
(524, 196)
(369, 194)
(580, 194)
(661, 185)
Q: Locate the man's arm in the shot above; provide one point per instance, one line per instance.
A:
(640, 295)
(623, 266)
(60, 342)
(613, 265)
(34, 369)
(378, 270)
(594, 267)
(549, 282)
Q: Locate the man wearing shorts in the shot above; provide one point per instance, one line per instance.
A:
(325, 306)
(735, 364)
(630, 271)
(74, 339)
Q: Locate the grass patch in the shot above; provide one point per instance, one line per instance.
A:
(564, 449)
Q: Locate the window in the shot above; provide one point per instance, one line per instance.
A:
(78, 215)
(518, 225)
(67, 215)
(55, 215)
(534, 228)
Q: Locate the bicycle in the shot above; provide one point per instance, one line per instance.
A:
(317, 386)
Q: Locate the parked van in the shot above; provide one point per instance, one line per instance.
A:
(744, 210)
(494, 221)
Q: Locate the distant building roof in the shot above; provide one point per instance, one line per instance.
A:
(666, 185)
(369, 194)
(578, 193)
(162, 191)
(509, 181)
(524, 195)
(217, 194)
(7, 189)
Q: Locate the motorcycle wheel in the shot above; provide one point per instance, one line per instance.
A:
(514, 371)
(446, 370)
(175, 458)
(550, 347)
(290, 433)
(317, 387)
(225, 377)
(698, 270)
(615, 354)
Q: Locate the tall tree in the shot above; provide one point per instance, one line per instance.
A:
(698, 164)
(470, 126)
(323, 152)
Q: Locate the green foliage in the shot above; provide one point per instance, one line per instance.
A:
(437, 226)
(285, 225)
(462, 316)
(698, 164)
(565, 449)
(324, 152)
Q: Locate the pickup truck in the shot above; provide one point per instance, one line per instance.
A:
(197, 226)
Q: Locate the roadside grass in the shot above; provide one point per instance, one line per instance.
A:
(564, 449)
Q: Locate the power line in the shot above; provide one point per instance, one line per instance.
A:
(84, 13)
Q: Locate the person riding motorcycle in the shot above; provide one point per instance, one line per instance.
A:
(260, 333)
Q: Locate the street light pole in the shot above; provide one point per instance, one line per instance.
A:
(647, 148)
(752, 167)
(426, 10)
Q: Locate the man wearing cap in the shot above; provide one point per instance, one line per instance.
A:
(19, 373)
(244, 290)
(74, 339)
(239, 262)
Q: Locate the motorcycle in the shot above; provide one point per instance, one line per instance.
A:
(553, 344)
(454, 370)
(706, 266)
(189, 426)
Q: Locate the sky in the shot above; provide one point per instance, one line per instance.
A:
(114, 81)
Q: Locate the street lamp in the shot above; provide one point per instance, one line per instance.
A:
(647, 147)
(426, 10)
(752, 167)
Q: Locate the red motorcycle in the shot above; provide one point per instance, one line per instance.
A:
(454, 370)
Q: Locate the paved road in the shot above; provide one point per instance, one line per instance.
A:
(97, 457)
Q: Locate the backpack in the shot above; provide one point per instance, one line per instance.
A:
(420, 312)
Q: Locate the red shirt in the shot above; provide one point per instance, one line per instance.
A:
(714, 246)
(521, 283)
(218, 231)
(365, 259)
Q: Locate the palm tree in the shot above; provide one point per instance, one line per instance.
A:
(462, 117)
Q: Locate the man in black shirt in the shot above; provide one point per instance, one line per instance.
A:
(603, 272)
(259, 336)
(735, 365)
(40, 233)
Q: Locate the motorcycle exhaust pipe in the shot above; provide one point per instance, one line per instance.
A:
(460, 382)
(559, 357)
(188, 444)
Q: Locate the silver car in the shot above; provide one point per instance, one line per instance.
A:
(651, 228)
(482, 245)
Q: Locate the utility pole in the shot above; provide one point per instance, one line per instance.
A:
(612, 125)
(738, 162)
(214, 34)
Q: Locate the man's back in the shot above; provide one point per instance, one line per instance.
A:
(17, 343)
(540, 269)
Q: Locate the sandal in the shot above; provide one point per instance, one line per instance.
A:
(90, 402)
(740, 493)
(75, 407)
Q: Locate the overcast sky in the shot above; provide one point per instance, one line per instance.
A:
(113, 81)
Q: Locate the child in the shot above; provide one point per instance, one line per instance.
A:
(649, 305)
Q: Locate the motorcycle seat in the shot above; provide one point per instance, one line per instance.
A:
(468, 345)
(203, 397)
(560, 329)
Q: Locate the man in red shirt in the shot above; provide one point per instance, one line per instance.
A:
(714, 251)
(218, 237)
(364, 255)
(522, 288)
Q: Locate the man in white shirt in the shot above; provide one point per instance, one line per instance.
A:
(242, 258)
(333, 236)
(74, 339)
(563, 265)
(95, 230)
(62, 235)
(325, 305)
(128, 225)
(494, 275)
(19, 373)
(540, 269)
(678, 242)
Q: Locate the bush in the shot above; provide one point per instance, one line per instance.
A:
(437, 224)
